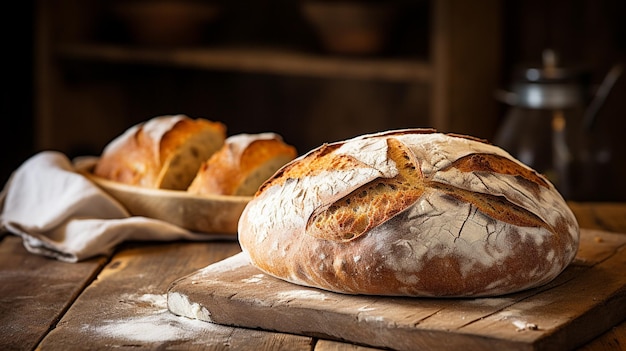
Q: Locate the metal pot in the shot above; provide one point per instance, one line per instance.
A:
(550, 125)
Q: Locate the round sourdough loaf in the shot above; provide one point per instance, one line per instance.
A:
(410, 213)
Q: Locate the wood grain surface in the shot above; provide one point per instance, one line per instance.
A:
(125, 307)
(79, 305)
(35, 292)
(584, 301)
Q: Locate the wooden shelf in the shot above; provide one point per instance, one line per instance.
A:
(450, 88)
(271, 61)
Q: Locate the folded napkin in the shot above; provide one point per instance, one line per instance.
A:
(61, 214)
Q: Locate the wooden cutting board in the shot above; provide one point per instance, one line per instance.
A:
(585, 300)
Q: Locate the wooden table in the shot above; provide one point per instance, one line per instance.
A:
(118, 302)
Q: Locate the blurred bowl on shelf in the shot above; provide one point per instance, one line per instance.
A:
(166, 22)
(350, 27)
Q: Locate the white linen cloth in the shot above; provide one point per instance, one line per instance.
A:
(61, 214)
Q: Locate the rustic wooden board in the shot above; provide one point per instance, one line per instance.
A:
(35, 291)
(584, 301)
(125, 307)
(606, 216)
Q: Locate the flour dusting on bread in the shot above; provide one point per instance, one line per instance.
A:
(410, 213)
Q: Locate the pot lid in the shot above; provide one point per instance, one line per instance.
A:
(551, 72)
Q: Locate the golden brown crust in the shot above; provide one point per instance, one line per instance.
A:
(410, 213)
(163, 152)
(114, 166)
(371, 204)
(243, 163)
(497, 164)
(179, 134)
(314, 164)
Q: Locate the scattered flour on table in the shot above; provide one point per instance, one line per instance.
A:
(151, 321)
(366, 309)
(523, 325)
(157, 301)
(515, 316)
(301, 294)
(179, 304)
(254, 279)
(226, 265)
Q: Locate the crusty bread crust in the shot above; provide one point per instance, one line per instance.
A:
(243, 163)
(164, 152)
(410, 213)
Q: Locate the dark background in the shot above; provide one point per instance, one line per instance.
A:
(591, 33)
(16, 110)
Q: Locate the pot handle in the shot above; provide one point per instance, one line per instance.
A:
(605, 88)
(506, 97)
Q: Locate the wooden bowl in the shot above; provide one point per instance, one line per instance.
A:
(350, 27)
(215, 214)
(166, 22)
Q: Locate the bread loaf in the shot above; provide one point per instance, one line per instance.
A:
(243, 163)
(410, 213)
(163, 153)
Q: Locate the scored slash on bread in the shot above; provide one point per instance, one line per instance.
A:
(411, 213)
(371, 204)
